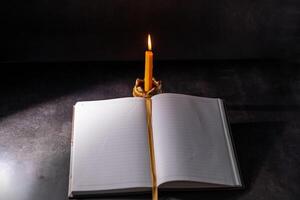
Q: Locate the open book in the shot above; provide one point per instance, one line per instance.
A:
(191, 140)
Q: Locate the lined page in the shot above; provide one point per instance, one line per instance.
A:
(189, 140)
(110, 149)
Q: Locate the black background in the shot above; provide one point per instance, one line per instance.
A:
(93, 30)
(245, 52)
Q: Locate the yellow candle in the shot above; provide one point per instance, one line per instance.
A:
(148, 66)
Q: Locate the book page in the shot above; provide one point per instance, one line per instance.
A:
(189, 140)
(110, 145)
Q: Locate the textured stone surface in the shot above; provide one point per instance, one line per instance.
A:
(263, 101)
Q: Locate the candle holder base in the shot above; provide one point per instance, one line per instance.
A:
(138, 89)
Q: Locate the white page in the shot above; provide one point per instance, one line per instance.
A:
(189, 140)
(110, 145)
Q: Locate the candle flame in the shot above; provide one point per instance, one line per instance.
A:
(149, 43)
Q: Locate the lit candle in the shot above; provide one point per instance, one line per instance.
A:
(148, 66)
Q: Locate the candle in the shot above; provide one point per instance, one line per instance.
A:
(148, 66)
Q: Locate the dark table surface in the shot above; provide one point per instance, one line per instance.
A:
(262, 97)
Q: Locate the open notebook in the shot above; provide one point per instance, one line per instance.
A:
(191, 139)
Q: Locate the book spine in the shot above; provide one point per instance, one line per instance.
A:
(70, 195)
(229, 143)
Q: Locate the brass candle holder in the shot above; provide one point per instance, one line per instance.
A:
(138, 89)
